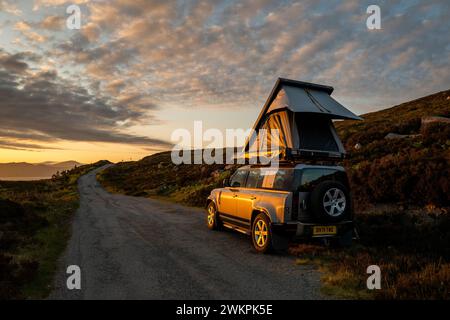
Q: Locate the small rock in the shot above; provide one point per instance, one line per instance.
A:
(435, 119)
(395, 136)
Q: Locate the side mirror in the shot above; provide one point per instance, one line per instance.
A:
(226, 182)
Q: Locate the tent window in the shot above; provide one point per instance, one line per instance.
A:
(315, 133)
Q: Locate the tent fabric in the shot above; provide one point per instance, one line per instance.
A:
(310, 101)
(302, 113)
(283, 139)
(281, 122)
(296, 131)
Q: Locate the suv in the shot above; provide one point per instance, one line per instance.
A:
(276, 204)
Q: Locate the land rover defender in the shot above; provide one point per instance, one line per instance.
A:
(276, 204)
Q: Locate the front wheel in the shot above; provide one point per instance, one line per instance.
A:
(262, 234)
(212, 220)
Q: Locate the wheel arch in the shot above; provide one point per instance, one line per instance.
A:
(211, 198)
(208, 201)
(257, 211)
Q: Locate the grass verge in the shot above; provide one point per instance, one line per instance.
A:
(34, 229)
(411, 249)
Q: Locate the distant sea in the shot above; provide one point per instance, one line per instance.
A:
(22, 178)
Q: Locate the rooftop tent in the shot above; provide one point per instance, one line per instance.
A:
(302, 114)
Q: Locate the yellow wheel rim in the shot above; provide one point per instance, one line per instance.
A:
(261, 233)
(211, 215)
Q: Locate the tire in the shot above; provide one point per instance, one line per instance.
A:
(262, 234)
(330, 201)
(212, 218)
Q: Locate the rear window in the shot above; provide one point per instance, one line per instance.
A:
(314, 175)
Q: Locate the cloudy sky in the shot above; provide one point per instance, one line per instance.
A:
(138, 69)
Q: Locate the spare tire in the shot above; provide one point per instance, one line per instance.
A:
(330, 201)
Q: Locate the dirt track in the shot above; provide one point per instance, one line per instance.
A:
(136, 248)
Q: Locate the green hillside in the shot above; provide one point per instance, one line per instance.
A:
(157, 176)
(412, 169)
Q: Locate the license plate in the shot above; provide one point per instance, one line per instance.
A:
(324, 230)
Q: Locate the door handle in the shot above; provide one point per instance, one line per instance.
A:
(235, 196)
(252, 198)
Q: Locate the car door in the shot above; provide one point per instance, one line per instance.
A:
(246, 196)
(227, 200)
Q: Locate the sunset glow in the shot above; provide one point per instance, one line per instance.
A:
(137, 70)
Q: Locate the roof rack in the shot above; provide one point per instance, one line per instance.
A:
(295, 154)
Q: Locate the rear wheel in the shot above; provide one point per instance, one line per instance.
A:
(212, 219)
(330, 201)
(262, 234)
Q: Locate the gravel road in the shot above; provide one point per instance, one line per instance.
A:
(138, 248)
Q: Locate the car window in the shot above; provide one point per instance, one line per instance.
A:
(238, 178)
(254, 179)
(268, 175)
(281, 179)
(310, 176)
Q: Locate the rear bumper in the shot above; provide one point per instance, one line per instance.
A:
(305, 230)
